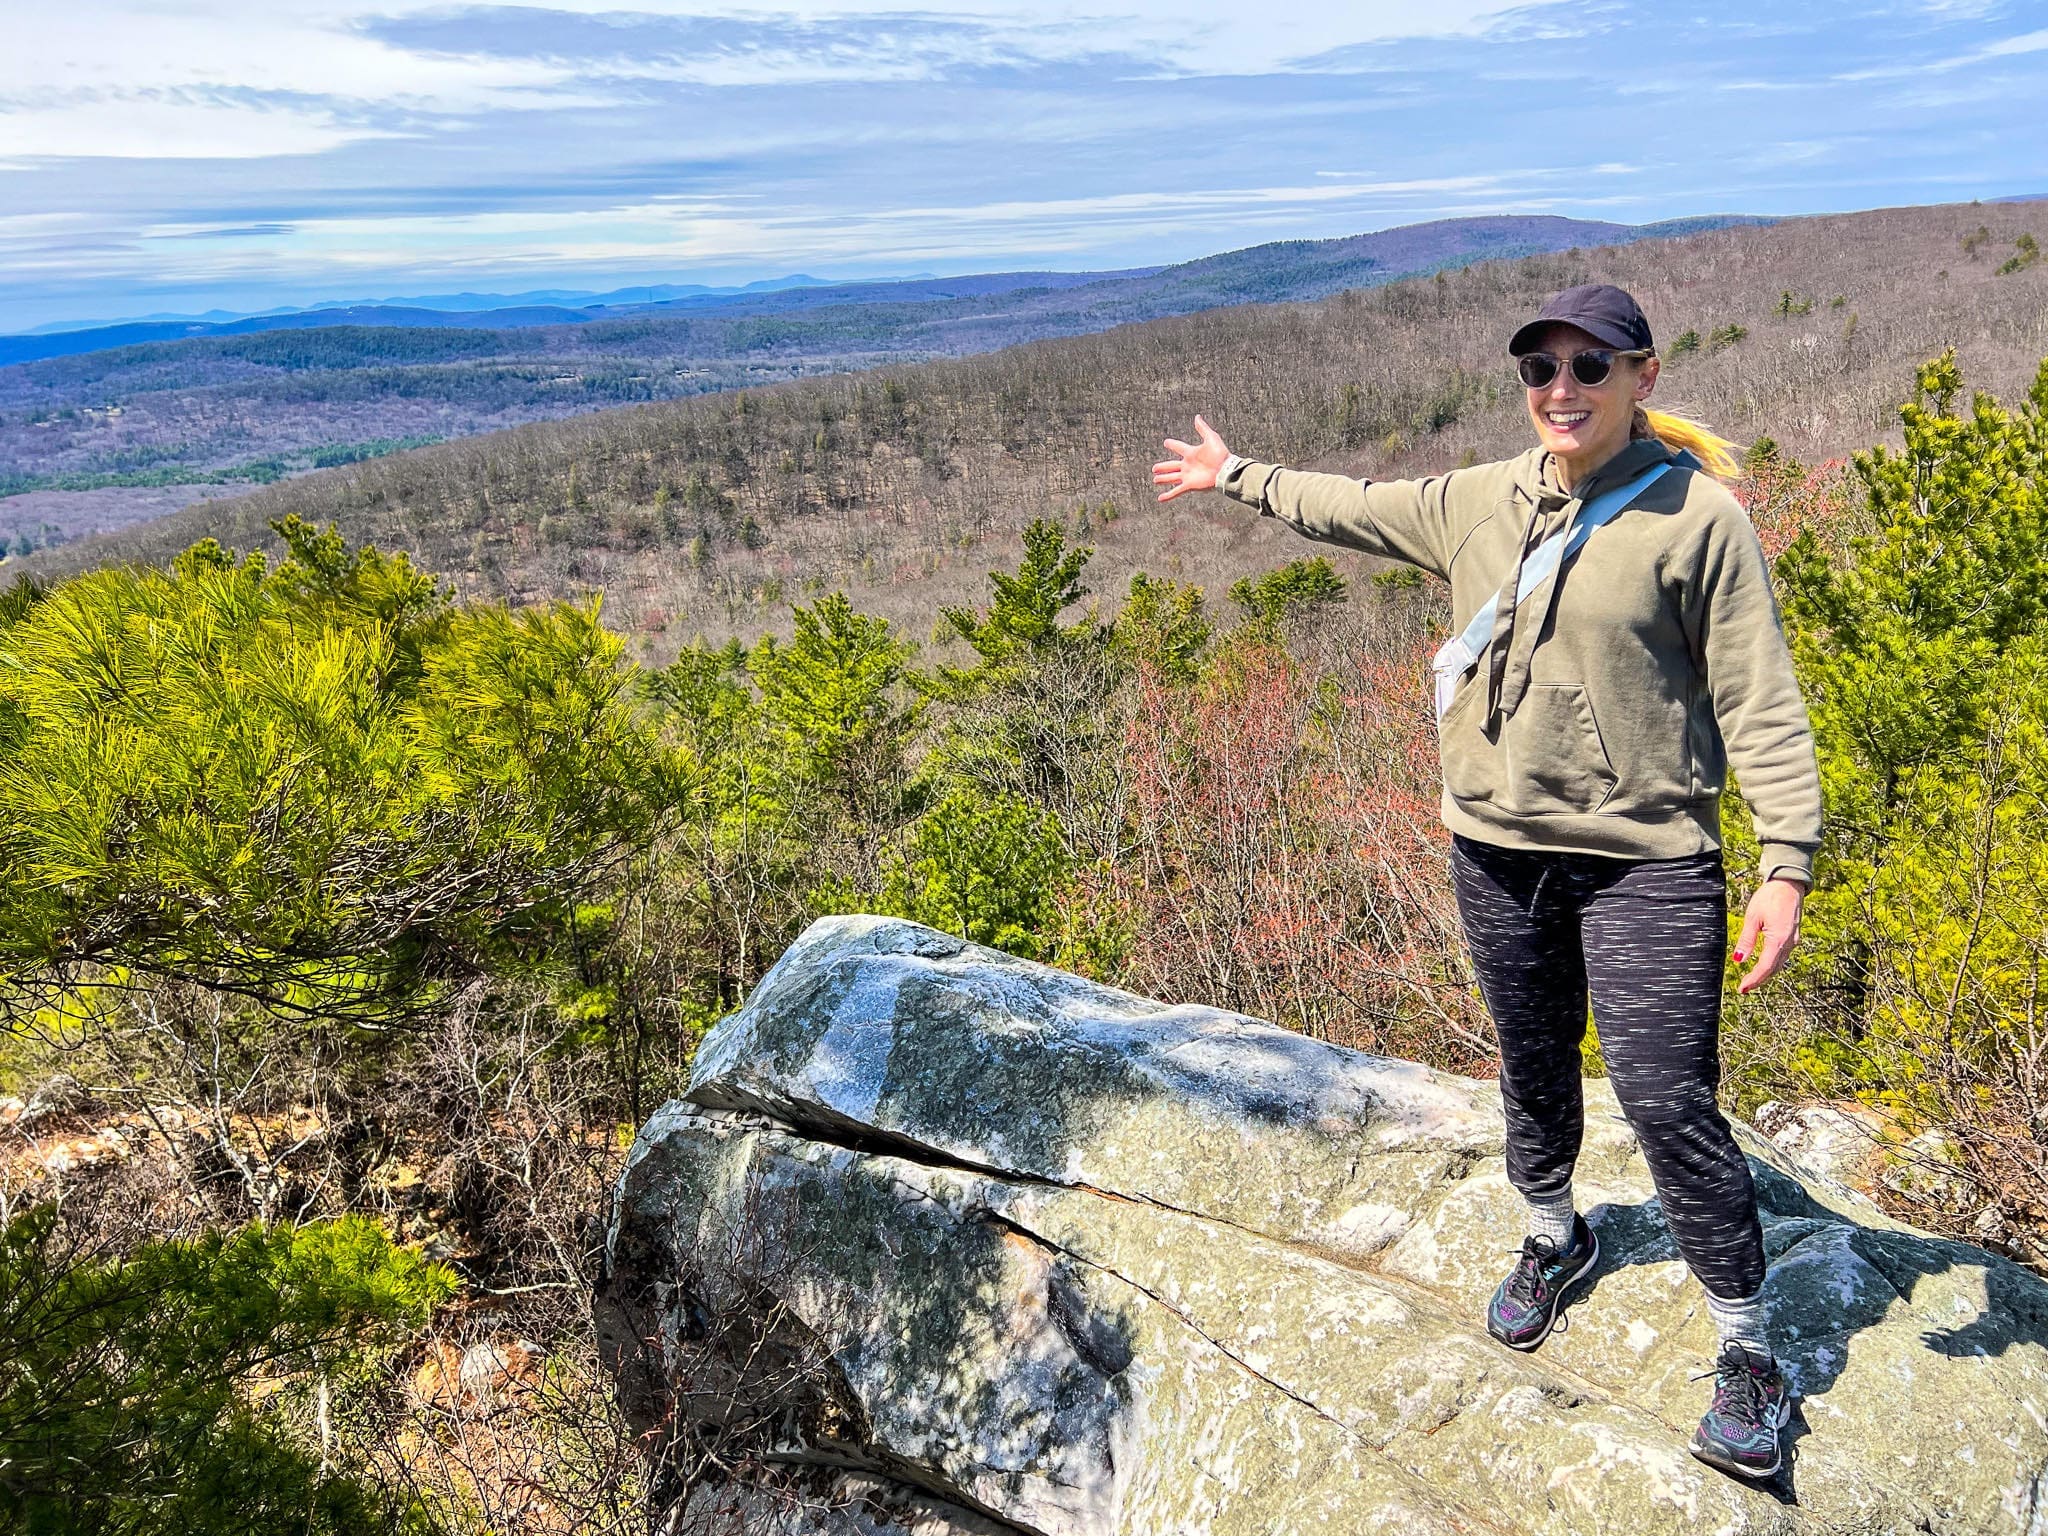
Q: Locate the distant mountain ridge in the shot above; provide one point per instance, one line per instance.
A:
(508, 312)
(451, 302)
(1294, 269)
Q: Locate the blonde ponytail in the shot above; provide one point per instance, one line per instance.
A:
(1715, 453)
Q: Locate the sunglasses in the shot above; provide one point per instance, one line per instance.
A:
(1589, 367)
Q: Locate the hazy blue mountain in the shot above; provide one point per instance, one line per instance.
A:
(220, 322)
(1291, 269)
(572, 298)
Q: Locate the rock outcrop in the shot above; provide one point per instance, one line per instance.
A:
(942, 1242)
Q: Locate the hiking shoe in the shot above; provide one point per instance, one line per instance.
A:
(1525, 1307)
(1751, 1404)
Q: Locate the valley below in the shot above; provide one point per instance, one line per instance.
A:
(94, 428)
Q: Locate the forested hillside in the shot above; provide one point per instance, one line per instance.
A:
(714, 516)
(255, 401)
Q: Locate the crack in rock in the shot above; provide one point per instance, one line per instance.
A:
(925, 1111)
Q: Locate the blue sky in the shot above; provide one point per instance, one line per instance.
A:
(183, 154)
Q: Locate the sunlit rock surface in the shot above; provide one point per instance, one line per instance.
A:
(943, 1243)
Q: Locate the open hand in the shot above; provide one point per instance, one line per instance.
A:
(1772, 917)
(1196, 468)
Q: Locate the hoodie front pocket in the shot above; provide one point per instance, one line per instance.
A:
(1554, 757)
(1471, 763)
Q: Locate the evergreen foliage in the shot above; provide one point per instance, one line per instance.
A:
(831, 700)
(1920, 629)
(318, 786)
(176, 1390)
(1031, 720)
(17, 599)
(987, 868)
(1296, 587)
(1023, 619)
(1904, 644)
(1161, 626)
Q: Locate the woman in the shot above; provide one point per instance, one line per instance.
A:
(1586, 721)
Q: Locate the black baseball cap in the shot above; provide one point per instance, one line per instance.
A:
(1599, 309)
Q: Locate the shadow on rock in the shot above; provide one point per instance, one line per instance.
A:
(1035, 1255)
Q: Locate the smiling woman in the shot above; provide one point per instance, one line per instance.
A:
(1621, 651)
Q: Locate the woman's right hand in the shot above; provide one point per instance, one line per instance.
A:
(1197, 466)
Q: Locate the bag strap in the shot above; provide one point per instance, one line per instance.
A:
(1463, 650)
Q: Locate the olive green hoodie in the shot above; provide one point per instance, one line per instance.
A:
(1604, 719)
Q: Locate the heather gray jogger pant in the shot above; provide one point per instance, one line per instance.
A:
(1647, 938)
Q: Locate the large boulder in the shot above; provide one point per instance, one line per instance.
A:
(939, 1241)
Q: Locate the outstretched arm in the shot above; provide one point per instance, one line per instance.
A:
(1401, 519)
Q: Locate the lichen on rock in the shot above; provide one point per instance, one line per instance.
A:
(1025, 1253)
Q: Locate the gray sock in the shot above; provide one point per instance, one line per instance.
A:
(1741, 1322)
(1551, 1216)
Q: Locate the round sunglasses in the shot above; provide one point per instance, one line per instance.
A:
(1589, 367)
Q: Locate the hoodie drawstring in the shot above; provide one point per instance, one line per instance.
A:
(1505, 608)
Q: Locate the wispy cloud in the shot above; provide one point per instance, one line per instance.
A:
(2000, 48)
(2007, 47)
(724, 52)
(751, 230)
(226, 78)
(185, 125)
(225, 232)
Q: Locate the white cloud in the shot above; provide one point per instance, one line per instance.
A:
(220, 79)
(679, 232)
(1179, 36)
(2026, 42)
(13, 225)
(280, 47)
(151, 126)
(519, 139)
(2003, 48)
(236, 78)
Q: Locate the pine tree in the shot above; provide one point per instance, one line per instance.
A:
(320, 786)
(1299, 587)
(988, 868)
(1161, 626)
(1906, 640)
(1024, 617)
(831, 702)
(124, 1394)
(1029, 720)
